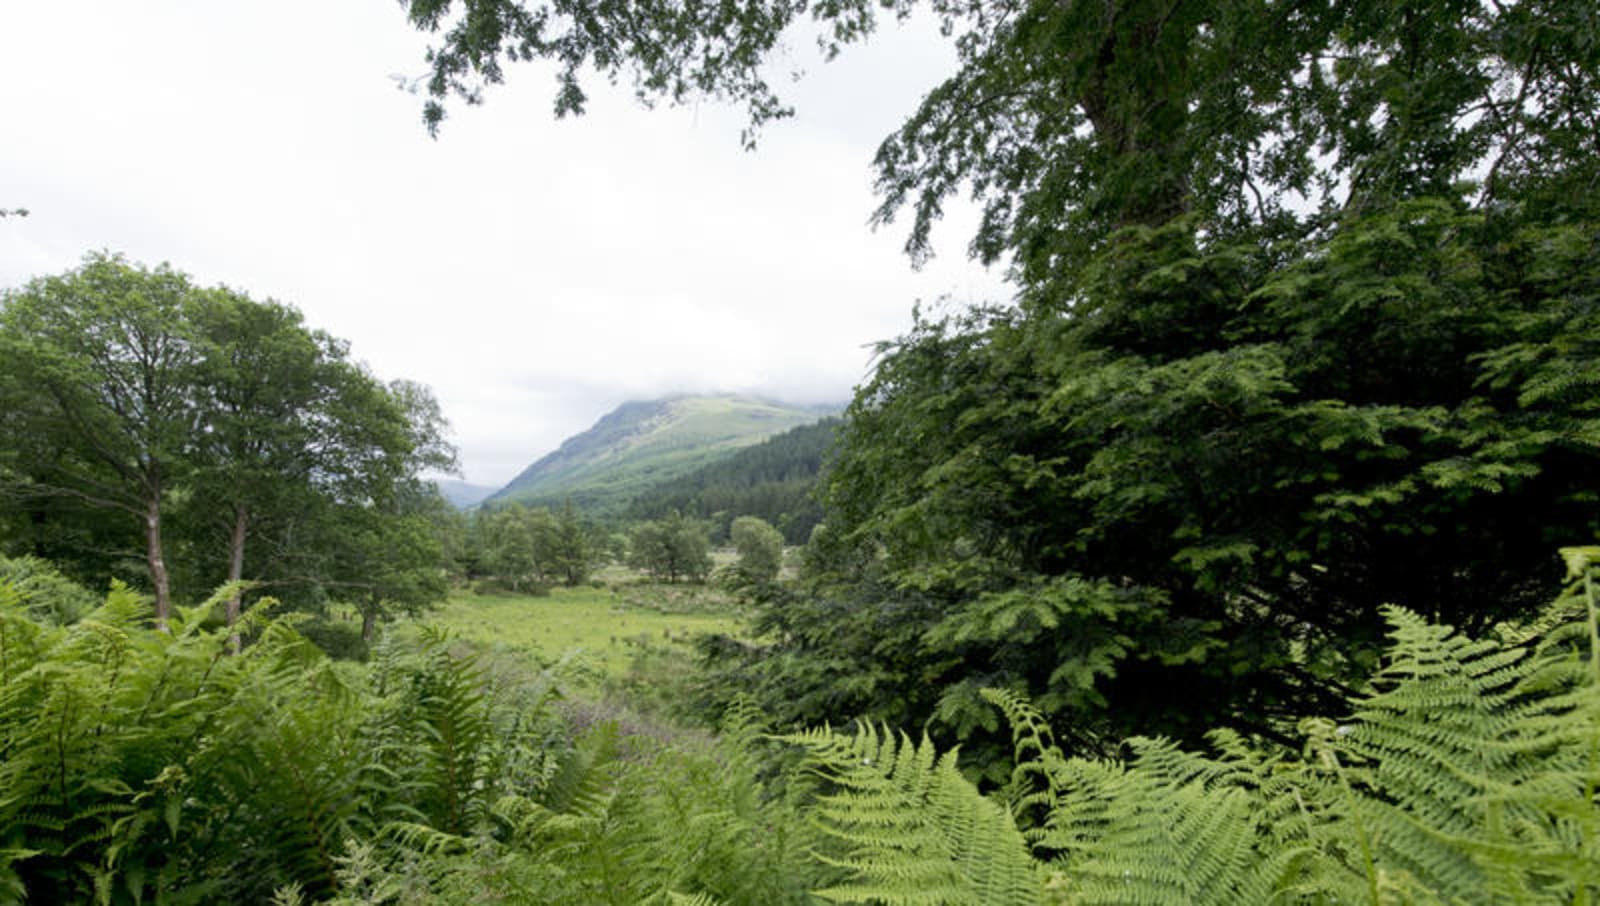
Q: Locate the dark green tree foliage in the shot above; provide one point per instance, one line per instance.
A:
(384, 558)
(1183, 502)
(274, 441)
(576, 546)
(217, 424)
(509, 544)
(99, 364)
(1305, 326)
(673, 548)
(773, 481)
(528, 548)
(760, 548)
(1071, 120)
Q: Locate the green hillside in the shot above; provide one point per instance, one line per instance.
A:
(772, 480)
(640, 444)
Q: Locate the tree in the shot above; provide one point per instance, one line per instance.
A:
(574, 546)
(267, 442)
(101, 361)
(381, 542)
(671, 548)
(133, 390)
(760, 548)
(386, 559)
(513, 542)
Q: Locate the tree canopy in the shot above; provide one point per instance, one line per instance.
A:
(210, 420)
(1071, 120)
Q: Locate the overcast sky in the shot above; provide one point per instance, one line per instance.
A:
(534, 272)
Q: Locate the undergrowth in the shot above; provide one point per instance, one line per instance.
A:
(137, 766)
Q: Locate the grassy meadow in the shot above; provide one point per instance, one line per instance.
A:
(599, 630)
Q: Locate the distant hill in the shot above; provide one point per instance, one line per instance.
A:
(640, 444)
(772, 480)
(461, 494)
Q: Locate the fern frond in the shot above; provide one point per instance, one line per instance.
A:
(910, 829)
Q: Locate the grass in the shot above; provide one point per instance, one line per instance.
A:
(602, 628)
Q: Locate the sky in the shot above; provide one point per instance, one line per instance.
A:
(534, 272)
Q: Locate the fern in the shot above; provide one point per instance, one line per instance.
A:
(910, 829)
(140, 766)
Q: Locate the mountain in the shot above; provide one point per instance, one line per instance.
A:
(461, 494)
(772, 480)
(640, 444)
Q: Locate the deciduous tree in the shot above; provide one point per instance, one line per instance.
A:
(102, 363)
(675, 547)
(760, 548)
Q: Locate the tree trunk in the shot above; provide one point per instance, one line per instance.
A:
(158, 566)
(241, 526)
(369, 621)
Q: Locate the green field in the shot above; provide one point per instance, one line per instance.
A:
(602, 628)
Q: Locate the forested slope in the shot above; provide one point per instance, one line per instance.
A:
(640, 444)
(772, 480)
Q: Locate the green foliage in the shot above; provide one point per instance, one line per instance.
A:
(148, 766)
(617, 820)
(910, 829)
(673, 548)
(47, 595)
(525, 548)
(1304, 325)
(221, 434)
(772, 480)
(1068, 121)
(1178, 503)
(1466, 775)
(142, 765)
(760, 548)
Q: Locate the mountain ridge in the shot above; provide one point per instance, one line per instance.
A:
(643, 442)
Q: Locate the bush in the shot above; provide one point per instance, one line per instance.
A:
(47, 594)
(338, 639)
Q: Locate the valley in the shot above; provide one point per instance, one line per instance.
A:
(1236, 542)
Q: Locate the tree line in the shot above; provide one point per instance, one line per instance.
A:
(210, 438)
(525, 549)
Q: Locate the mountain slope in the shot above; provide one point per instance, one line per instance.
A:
(772, 480)
(640, 444)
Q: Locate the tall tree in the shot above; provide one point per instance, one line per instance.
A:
(102, 361)
(574, 545)
(760, 548)
(672, 548)
(378, 543)
(265, 387)
(133, 390)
